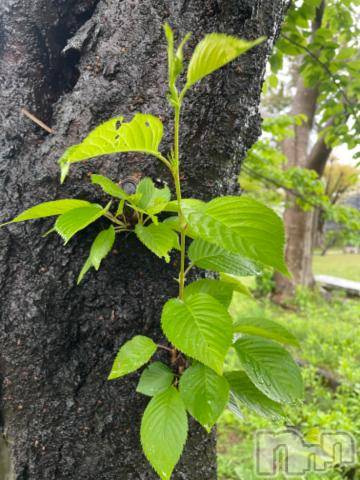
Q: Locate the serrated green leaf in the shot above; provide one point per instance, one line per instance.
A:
(205, 394)
(71, 222)
(212, 257)
(271, 368)
(160, 239)
(236, 284)
(246, 392)
(101, 246)
(132, 355)
(263, 327)
(233, 406)
(241, 225)
(48, 209)
(156, 378)
(164, 429)
(200, 327)
(221, 291)
(215, 51)
(152, 200)
(109, 187)
(142, 134)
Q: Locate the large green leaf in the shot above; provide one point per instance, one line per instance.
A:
(215, 51)
(246, 392)
(241, 225)
(212, 257)
(200, 327)
(164, 429)
(49, 209)
(271, 368)
(263, 327)
(132, 355)
(160, 239)
(109, 187)
(156, 378)
(142, 134)
(102, 245)
(71, 222)
(205, 394)
(222, 291)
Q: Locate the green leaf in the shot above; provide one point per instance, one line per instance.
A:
(236, 284)
(109, 187)
(84, 270)
(156, 378)
(101, 246)
(241, 225)
(205, 394)
(221, 291)
(71, 222)
(164, 429)
(271, 368)
(212, 257)
(151, 199)
(142, 134)
(132, 355)
(200, 327)
(48, 209)
(233, 406)
(246, 392)
(215, 51)
(160, 239)
(262, 327)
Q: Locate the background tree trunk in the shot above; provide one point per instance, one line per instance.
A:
(300, 224)
(75, 63)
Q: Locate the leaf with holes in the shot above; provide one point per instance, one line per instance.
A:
(164, 429)
(200, 327)
(69, 223)
(212, 257)
(132, 355)
(215, 51)
(156, 378)
(205, 394)
(142, 134)
(263, 327)
(109, 187)
(246, 392)
(271, 368)
(241, 225)
(48, 209)
(221, 291)
(160, 239)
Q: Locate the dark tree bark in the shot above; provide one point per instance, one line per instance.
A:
(75, 63)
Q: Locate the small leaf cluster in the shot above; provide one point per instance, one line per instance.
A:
(233, 236)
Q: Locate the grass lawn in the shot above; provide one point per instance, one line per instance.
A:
(329, 333)
(338, 264)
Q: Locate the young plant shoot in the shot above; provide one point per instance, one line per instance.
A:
(234, 236)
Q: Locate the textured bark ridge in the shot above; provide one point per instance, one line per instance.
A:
(75, 63)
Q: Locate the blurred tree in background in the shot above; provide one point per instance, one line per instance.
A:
(310, 107)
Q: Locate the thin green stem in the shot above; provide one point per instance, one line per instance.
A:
(176, 175)
(114, 219)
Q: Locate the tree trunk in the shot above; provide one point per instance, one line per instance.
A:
(75, 63)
